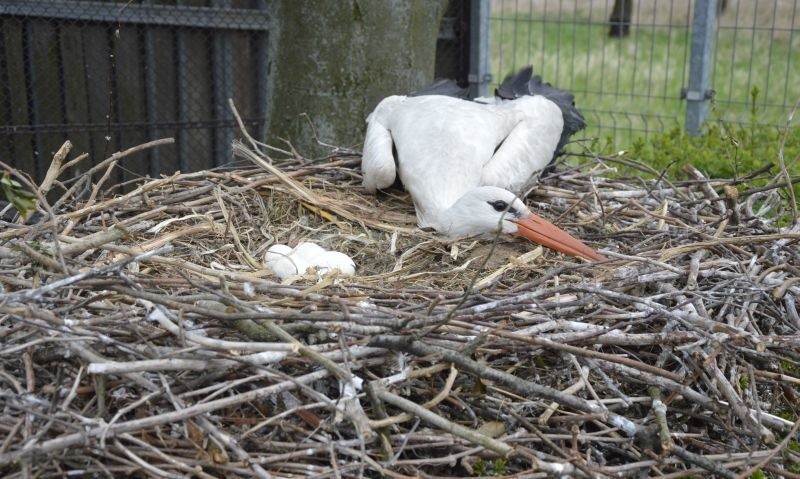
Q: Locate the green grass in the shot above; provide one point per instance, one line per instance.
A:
(631, 87)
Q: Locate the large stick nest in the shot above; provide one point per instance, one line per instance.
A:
(141, 333)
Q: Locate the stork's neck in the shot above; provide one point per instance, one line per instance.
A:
(458, 220)
(447, 221)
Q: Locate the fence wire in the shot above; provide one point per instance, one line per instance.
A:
(114, 74)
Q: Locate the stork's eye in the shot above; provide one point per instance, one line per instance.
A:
(498, 205)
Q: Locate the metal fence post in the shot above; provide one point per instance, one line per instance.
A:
(698, 92)
(479, 76)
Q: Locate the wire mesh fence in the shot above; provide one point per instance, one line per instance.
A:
(754, 67)
(108, 75)
(111, 74)
(629, 76)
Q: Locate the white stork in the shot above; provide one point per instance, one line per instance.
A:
(458, 159)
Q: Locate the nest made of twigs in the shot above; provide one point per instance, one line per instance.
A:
(142, 334)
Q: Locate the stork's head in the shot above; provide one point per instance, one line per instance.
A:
(489, 209)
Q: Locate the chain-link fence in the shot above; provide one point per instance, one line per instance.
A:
(628, 61)
(112, 74)
(109, 75)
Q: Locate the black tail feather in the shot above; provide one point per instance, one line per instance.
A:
(524, 83)
(516, 85)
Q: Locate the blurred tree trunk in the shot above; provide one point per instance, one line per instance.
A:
(622, 11)
(332, 61)
(620, 19)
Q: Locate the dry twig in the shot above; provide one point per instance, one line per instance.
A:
(140, 334)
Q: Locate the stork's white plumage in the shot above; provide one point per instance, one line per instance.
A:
(461, 159)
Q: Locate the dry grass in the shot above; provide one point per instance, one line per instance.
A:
(142, 336)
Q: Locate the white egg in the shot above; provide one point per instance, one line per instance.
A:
(289, 266)
(275, 253)
(307, 252)
(279, 259)
(334, 260)
(286, 262)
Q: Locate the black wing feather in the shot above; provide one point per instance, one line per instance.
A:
(516, 85)
(443, 87)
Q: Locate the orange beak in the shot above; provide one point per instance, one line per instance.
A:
(539, 230)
